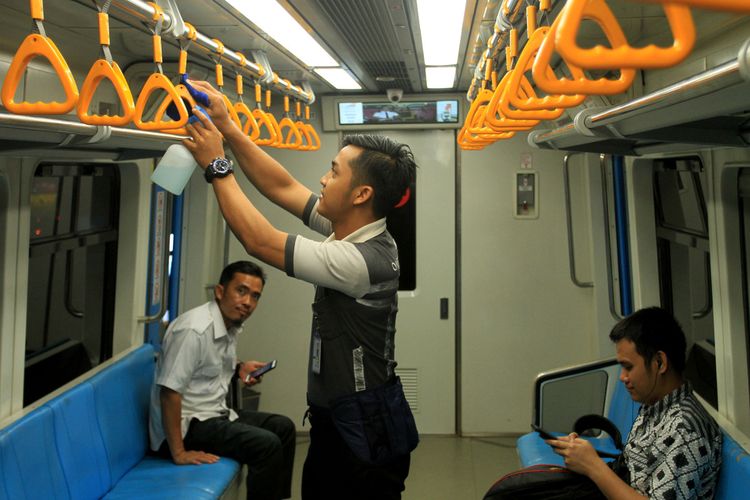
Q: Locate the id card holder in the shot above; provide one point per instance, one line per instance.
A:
(316, 352)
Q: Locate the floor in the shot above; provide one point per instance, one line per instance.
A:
(444, 467)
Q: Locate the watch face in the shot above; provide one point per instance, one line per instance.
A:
(220, 166)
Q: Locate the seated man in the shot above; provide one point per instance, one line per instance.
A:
(674, 448)
(189, 418)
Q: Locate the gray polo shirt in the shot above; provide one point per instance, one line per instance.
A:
(354, 313)
(197, 360)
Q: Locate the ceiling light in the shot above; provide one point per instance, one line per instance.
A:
(339, 78)
(440, 77)
(272, 18)
(440, 23)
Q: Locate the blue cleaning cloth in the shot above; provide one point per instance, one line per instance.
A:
(200, 98)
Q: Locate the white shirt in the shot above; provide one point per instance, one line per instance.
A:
(197, 360)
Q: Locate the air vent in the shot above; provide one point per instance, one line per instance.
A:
(410, 381)
(368, 29)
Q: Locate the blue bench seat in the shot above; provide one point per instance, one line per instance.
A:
(91, 442)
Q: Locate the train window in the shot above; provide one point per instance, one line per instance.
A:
(684, 263)
(401, 223)
(72, 266)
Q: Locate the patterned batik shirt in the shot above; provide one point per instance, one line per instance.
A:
(674, 449)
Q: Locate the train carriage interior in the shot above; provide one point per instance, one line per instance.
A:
(578, 160)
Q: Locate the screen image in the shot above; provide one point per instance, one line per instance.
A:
(374, 113)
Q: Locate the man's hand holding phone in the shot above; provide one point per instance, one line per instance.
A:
(252, 371)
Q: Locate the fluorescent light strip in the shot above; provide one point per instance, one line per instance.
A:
(440, 23)
(272, 18)
(440, 77)
(339, 78)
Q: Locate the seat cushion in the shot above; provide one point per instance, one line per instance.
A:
(158, 478)
(734, 477)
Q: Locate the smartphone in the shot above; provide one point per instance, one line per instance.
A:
(260, 371)
(543, 433)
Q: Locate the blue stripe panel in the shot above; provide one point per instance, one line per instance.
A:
(174, 270)
(621, 225)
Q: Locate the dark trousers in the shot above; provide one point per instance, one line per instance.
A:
(263, 441)
(332, 472)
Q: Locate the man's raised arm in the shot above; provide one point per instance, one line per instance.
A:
(266, 174)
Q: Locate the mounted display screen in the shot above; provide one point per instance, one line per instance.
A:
(413, 112)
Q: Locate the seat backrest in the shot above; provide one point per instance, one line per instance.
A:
(622, 410)
(734, 477)
(121, 394)
(29, 462)
(79, 443)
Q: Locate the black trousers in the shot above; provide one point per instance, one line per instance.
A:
(333, 472)
(263, 441)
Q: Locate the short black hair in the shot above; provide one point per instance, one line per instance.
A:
(386, 165)
(653, 329)
(244, 267)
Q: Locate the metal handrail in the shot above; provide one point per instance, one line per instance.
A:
(608, 239)
(569, 224)
(164, 263)
(144, 12)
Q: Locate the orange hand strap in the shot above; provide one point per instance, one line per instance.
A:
(545, 78)
(505, 107)
(315, 139)
(621, 55)
(264, 122)
(493, 118)
(293, 139)
(232, 112)
(155, 82)
(306, 143)
(525, 63)
(184, 93)
(101, 70)
(37, 45)
(250, 125)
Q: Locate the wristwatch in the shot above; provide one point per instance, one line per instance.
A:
(219, 167)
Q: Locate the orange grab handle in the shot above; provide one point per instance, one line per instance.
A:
(101, 70)
(545, 78)
(250, 126)
(506, 109)
(621, 55)
(495, 119)
(103, 28)
(731, 5)
(314, 138)
(525, 63)
(232, 112)
(305, 134)
(264, 122)
(182, 62)
(37, 45)
(279, 138)
(293, 139)
(158, 81)
(184, 93)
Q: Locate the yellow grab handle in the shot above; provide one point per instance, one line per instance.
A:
(219, 75)
(250, 125)
(184, 93)
(240, 88)
(293, 139)
(37, 45)
(621, 55)
(155, 82)
(103, 28)
(315, 139)
(545, 78)
(525, 63)
(306, 143)
(264, 122)
(101, 70)
(493, 118)
(257, 93)
(182, 63)
(232, 112)
(268, 98)
(731, 5)
(505, 107)
(275, 124)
